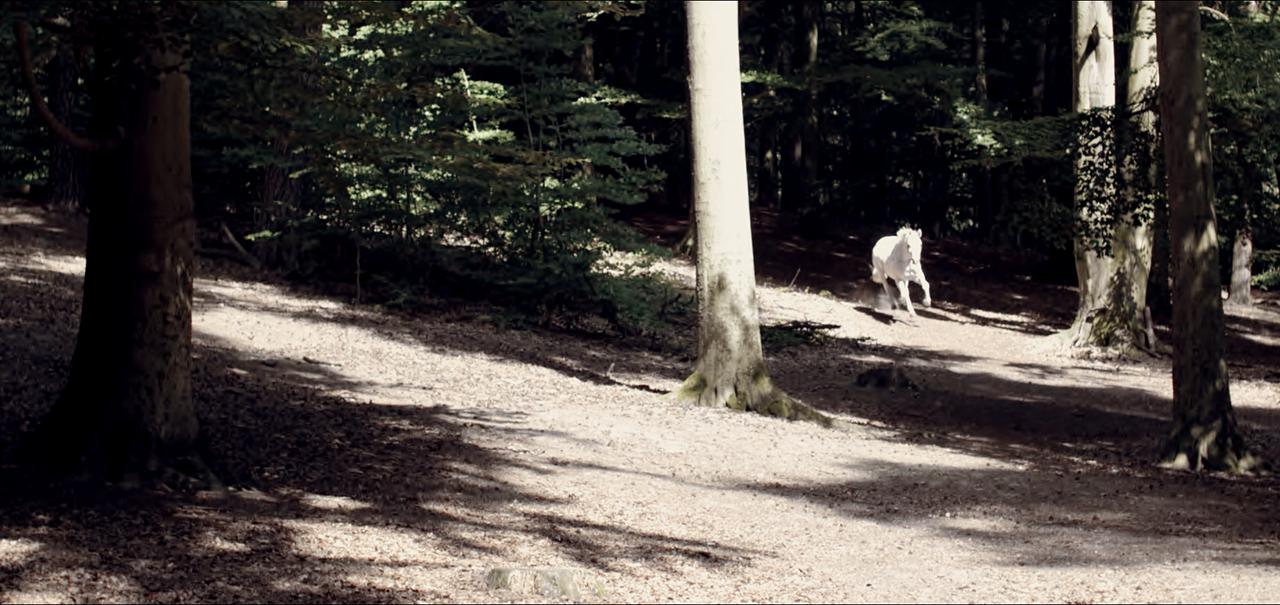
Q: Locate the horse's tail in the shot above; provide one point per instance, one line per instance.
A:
(876, 274)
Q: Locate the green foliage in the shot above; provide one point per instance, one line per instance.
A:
(1242, 67)
(460, 147)
(452, 128)
(641, 303)
(24, 146)
(1266, 270)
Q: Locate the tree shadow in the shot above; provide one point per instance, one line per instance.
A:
(428, 478)
(1031, 413)
(406, 487)
(1115, 520)
(1040, 457)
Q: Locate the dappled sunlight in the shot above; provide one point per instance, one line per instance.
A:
(15, 552)
(1262, 339)
(333, 503)
(217, 543)
(65, 264)
(360, 541)
(376, 457)
(76, 584)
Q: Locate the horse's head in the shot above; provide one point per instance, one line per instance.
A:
(913, 240)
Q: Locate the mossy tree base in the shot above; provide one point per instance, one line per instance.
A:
(749, 393)
(1116, 335)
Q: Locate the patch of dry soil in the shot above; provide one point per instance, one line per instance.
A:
(384, 458)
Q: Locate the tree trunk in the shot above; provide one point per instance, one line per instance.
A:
(985, 212)
(127, 411)
(730, 369)
(1204, 431)
(800, 152)
(768, 178)
(1124, 321)
(1094, 87)
(1241, 277)
(1042, 67)
(66, 183)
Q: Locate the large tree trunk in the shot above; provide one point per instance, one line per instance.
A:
(730, 369)
(127, 411)
(1204, 432)
(1094, 87)
(1125, 321)
(1112, 312)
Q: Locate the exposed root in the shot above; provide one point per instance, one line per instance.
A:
(756, 394)
(1196, 449)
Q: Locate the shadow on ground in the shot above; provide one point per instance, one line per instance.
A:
(298, 458)
(418, 472)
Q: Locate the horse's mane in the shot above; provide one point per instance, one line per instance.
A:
(906, 232)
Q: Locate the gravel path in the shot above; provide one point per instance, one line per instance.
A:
(385, 458)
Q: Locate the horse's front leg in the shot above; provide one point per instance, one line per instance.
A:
(904, 287)
(924, 284)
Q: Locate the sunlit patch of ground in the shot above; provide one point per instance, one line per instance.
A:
(379, 458)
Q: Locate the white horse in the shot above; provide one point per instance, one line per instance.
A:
(897, 257)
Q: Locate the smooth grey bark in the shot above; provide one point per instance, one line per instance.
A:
(730, 370)
(1241, 270)
(1093, 88)
(1124, 321)
(1112, 311)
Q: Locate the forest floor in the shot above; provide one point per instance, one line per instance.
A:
(390, 458)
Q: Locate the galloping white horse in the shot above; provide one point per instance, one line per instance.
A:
(897, 257)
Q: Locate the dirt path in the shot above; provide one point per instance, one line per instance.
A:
(396, 459)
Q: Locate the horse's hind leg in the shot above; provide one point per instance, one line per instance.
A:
(892, 303)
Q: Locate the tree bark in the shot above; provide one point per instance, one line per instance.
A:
(1160, 282)
(985, 210)
(1241, 274)
(730, 370)
(800, 151)
(1204, 433)
(127, 412)
(768, 178)
(1123, 322)
(65, 166)
(1093, 87)
(1042, 67)
(1112, 310)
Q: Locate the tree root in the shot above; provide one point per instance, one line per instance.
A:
(756, 394)
(1196, 449)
